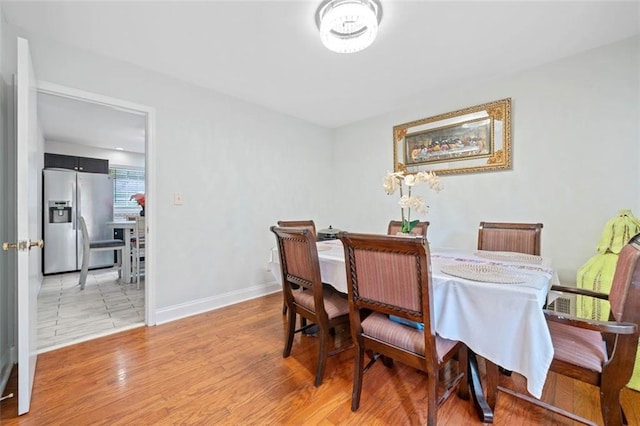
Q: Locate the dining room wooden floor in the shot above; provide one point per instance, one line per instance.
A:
(226, 367)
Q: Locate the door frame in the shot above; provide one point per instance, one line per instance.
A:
(150, 180)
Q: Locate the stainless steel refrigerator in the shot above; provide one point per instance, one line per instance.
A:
(67, 196)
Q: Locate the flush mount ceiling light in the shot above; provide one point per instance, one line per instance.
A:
(348, 26)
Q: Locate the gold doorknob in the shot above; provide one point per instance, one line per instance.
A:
(22, 245)
(7, 246)
(39, 244)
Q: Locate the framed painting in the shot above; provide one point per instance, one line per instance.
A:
(469, 140)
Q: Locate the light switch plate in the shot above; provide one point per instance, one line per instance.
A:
(178, 199)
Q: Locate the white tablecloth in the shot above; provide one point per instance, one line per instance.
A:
(500, 322)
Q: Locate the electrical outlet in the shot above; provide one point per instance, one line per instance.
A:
(178, 199)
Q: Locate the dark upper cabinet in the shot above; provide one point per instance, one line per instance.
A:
(80, 164)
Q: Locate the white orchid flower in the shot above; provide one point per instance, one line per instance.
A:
(413, 202)
(433, 180)
(391, 183)
(395, 180)
(410, 180)
(421, 177)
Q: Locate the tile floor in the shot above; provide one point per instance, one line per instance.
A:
(68, 315)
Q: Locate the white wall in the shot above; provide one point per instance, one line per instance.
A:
(576, 145)
(116, 158)
(6, 305)
(240, 168)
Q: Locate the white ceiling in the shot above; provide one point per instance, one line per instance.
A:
(269, 52)
(72, 121)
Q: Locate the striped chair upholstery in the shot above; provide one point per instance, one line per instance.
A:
(304, 224)
(584, 348)
(395, 226)
(334, 302)
(410, 339)
(599, 353)
(516, 237)
(386, 276)
(305, 295)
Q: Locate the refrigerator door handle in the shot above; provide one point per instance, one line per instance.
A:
(75, 206)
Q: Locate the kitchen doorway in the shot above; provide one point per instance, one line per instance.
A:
(89, 125)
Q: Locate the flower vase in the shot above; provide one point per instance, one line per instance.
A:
(142, 211)
(405, 234)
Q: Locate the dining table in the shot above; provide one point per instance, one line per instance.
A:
(127, 228)
(491, 301)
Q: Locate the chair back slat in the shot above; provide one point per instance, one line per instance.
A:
(299, 264)
(298, 261)
(624, 296)
(389, 275)
(305, 224)
(377, 269)
(515, 237)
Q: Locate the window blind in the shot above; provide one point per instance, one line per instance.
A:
(126, 182)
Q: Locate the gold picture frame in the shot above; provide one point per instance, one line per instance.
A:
(469, 140)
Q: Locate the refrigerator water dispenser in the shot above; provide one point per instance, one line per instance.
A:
(59, 211)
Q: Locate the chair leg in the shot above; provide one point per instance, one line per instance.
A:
(84, 270)
(610, 405)
(322, 356)
(358, 368)
(291, 329)
(463, 366)
(386, 361)
(137, 270)
(119, 261)
(432, 398)
(492, 383)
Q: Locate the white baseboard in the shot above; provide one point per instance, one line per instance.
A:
(184, 310)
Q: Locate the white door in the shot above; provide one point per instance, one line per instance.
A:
(28, 278)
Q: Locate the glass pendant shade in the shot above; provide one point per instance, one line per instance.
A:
(348, 26)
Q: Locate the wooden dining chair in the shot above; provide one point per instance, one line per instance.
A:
(516, 237)
(306, 296)
(601, 353)
(97, 245)
(305, 224)
(395, 226)
(386, 276)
